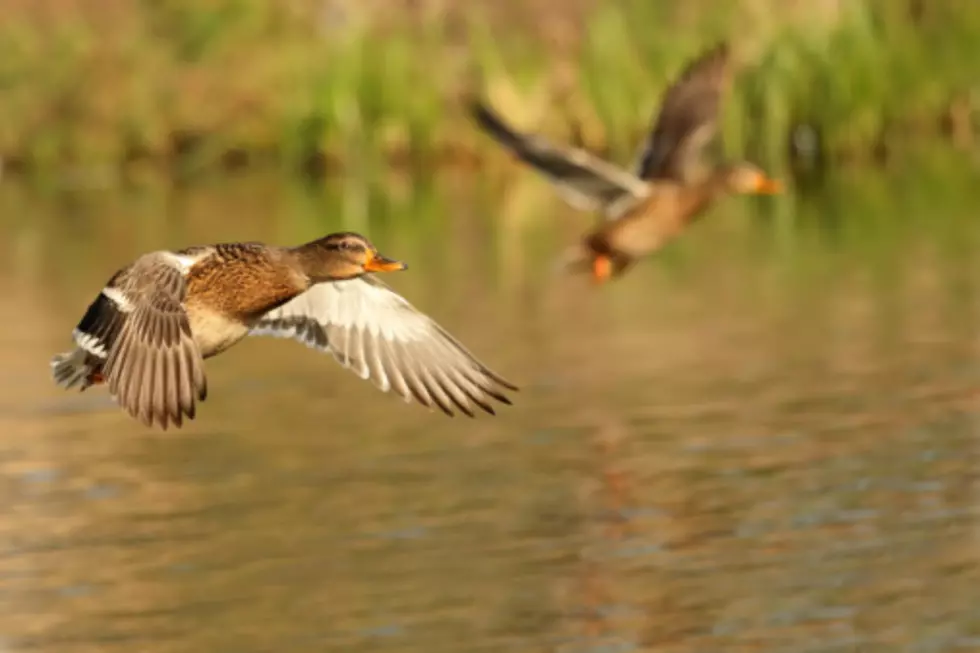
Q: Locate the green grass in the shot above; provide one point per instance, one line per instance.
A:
(187, 86)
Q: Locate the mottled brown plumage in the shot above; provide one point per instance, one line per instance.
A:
(216, 282)
(613, 246)
(673, 182)
(149, 330)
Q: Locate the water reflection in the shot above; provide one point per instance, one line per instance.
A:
(764, 440)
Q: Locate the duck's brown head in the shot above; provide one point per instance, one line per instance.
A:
(746, 178)
(344, 255)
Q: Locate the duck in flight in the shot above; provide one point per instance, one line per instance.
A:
(147, 333)
(672, 182)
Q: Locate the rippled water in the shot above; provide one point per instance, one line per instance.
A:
(764, 440)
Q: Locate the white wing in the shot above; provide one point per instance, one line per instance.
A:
(380, 336)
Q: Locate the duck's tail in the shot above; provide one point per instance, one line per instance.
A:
(76, 368)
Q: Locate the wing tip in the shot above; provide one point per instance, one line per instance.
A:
(479, 110)
(711, 60)
(507, 384)
(156, 417)
(446, 410)
(718, 52)
(493, 124)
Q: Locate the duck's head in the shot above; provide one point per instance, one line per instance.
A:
(747, 178)
(344, 255)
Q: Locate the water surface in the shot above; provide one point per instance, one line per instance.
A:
(763, 440)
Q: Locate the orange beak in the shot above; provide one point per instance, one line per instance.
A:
(766, 186)
(601, 268)
(378, 263)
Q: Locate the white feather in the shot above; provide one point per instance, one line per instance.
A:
(378, 335)
(117, 297)
(89, 343)
(356, 305)
(184, 262)
(363, 312)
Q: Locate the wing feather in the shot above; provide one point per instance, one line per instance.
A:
(687, 122)
(379, 336)
(584, 181)
(153, 366)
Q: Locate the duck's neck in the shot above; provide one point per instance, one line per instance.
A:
(708, 190)
(716, 184)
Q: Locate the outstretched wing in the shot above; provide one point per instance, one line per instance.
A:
(380, 336)
(688, 120)
(583, 180)
(139, 327)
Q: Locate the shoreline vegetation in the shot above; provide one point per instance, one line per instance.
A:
(187, 85)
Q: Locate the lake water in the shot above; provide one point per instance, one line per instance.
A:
(765, 439)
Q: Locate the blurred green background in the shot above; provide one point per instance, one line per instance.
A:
(180, 83)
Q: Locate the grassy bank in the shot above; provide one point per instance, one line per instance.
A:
(187, 85)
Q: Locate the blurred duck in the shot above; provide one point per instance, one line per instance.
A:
(672, 183)
(148, 331)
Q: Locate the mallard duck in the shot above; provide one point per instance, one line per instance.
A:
(670, 186)
(150, 329)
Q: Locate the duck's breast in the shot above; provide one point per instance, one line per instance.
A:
(214, 331)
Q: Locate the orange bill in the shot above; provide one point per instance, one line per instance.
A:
(378, 263)
(601, 268)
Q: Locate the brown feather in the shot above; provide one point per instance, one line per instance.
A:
(145, 356)
(688, 120)
(585, 181)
